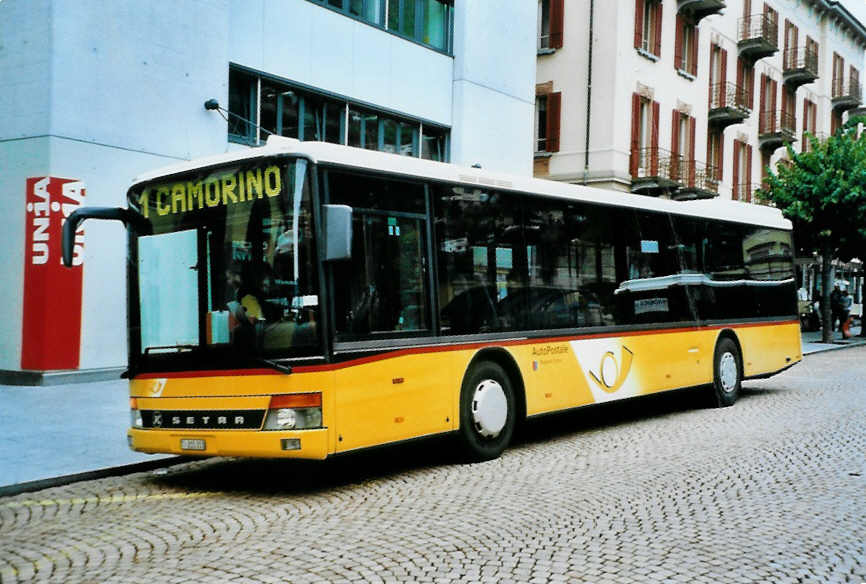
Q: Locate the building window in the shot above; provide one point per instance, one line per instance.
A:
(550, 24)
(286, 110)
(715, 152)
(742, 175)
(425, 21)
(644, 136)
(745, 83)
(243, 89)
(838, 75)
(547, 111)
(810, 115)
(434, 143)
(648, 27)
(686, 47)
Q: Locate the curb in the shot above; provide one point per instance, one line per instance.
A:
(834, 347)
(38, 485)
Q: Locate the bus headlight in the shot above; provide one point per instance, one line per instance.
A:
(300, 411)
(135, 414)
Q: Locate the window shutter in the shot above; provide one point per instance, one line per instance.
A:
(785, 51)
(723, 77)
(657, 44)
(804, 142)
(814, 117)
(675, 133)
(741, 88)
(720, 151)
(678, 44)
(735, 177)
(774, 92)
(750, 74)
(557, 20)
(635, 130)
(691, 151)
(695, 44)
(654, 153)
(748, 173)
(638, 23)
(675, 145)
(762, 114)
(554, 108)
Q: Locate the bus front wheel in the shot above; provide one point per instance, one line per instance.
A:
(487, 412)
(727, 373)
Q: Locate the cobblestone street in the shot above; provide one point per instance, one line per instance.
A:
(660, 489)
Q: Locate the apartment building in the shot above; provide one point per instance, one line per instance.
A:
(689, 98)
(97, 92)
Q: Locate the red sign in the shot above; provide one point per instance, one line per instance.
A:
(52, 293)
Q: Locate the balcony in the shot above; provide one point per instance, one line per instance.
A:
(657, 172)
(799, 66)
(696, 180)
(697, 9)
(759, 37)
(775, 128)
(846, 96)
(729, 104)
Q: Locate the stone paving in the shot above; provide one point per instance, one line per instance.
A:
(658, 489)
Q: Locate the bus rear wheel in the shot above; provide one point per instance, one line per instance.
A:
(727, 373)
(487, 411)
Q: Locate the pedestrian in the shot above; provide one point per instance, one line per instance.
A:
(835, 297)
(845, 302)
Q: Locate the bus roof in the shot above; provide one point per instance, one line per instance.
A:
(326, 153)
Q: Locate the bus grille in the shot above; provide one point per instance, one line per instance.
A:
(203, 420)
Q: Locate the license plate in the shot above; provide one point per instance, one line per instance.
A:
(192, 444)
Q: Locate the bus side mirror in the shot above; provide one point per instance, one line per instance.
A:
(128, 217)
(338, 232)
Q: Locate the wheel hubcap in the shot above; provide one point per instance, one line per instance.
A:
(728, 372)
(489, 408)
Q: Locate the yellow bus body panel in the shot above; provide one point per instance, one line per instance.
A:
(416, 392)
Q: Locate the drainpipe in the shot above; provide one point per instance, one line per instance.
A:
(588, 93)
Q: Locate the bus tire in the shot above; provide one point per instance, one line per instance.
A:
(727, 373)
(487, 411)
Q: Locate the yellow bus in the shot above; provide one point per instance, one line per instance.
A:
(305, 299)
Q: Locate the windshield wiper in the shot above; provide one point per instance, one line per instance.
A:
(287, 369)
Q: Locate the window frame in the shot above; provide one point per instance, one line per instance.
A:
(417, 35)
(306, 93)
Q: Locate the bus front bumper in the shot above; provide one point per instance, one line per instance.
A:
(310, 444)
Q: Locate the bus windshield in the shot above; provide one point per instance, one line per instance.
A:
(229, 271)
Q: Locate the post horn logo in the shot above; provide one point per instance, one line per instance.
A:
(611, 375)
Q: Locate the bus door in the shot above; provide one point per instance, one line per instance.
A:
(382, 304)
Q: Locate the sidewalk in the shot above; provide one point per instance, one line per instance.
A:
(57, 434)
(812, 341)
(51, 434)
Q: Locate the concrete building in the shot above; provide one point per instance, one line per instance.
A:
(97, 92)
(689, 98)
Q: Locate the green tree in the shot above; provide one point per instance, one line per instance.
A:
(823, 192)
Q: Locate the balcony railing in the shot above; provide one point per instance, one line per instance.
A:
(846, 96)
(657, 164)
(696, 180)
(730, 94)
(743, 192)
(800, 65)
(758, 36)
(773, 122)
(729, 104)
(776, 128)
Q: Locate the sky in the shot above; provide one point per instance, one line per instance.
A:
(857, 8)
